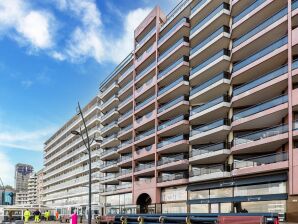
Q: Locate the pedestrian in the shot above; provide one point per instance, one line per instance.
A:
(27, 215)
(57, 215)
(47, 215)
(36, 215)
(10, 213)
(74, 218)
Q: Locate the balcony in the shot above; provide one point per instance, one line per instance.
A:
(247, 10)
(124, 118)
(210, 153)
(125, 88)
(174, 126)
(177, 88)
(272, 28)
(125, 174)
(174, 107)
(173, 162)
(145, 87)
(295, 130)
(147, 53)
(110, 141)
(146, 37)
(214, 65)
(109, 154)
(218, 85)
(211, 44)
(214, 131)
(147, 102)
(146, 70)
(126, 73)
(125, 146)
(125, 160)
(241, 65)
(125, 103)
(145, 168)
(212, 110)
(261, 88)
(174, 144)
(110, 128)
(260, 141)
(109, 178)
(172, 67)
(209, 172)
(262, 115)
(125, 131)
(109, 166)
(110, 90)
(167, 34)
(110, 103)
(110, 116)
(172, 179)
(173, 49)
(218, 17)
(145, 136)
(144, 152)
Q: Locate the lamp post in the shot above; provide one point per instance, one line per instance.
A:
(87, 142)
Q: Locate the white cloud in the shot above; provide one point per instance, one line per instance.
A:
(19, 21)
(6, 170)
(58, 56)
(27, 83)
(23, 139)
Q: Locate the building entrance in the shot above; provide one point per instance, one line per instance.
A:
(143, 201)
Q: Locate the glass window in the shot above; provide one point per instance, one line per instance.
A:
(199, 208)
(221, 193)
(214, 208)
(174, 208)
(261, 189)
(265, 206)
(225, 207)
(112, 199)
(174, 194)
(128, 198)
(198, 194)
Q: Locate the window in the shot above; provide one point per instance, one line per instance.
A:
(199, 208)
(221, 193)
(261, 189)
(265, 206)
(174, 208)
(225, 207)
(174, 194)
(198, 194)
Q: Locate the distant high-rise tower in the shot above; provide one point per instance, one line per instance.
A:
(22, 174)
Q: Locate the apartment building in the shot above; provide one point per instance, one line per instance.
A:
(39, 188)
(202, 115)
(21, 198)
(32, 189)
(65, 173)
(22, 174)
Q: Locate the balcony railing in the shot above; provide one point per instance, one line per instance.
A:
(145, 38)
(248, 9)
(125, 115)
(108, 151)
(143, 166)
(172, 85)
(125, 143)
(170, 31)
(210, 60)
(261, 27)
(125, 129)
(124, 171)
(199, 171)
(146, 116)
(145, 70)
(149, 49)
(261, 134)
(261, 80)
(108, 114)
(223, 75)
(171, 140)
(172, 66)
(108, 126)
(261, 107)
(204, 149)
(171, 48)
(144, 134)
(125, 101)
(210, 126)
(143, 103)
(224, 29)
(123, 186)
(294, 5)
(109, 176)
(170, 122)
(172, 103)
(295, 63)
(172, 176)
(124, 88)
(143, 149)
(105, 104)
(263, 52)
(109, 138)
(125, 157)
(172, 158)
(209, 17)
(261, 160)
(198, 5)
(148, 83)
(108, 163)
(212, 103)
(128, 71)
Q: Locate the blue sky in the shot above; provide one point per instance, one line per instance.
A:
(52, 54)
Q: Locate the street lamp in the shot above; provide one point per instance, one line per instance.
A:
(87, 142)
